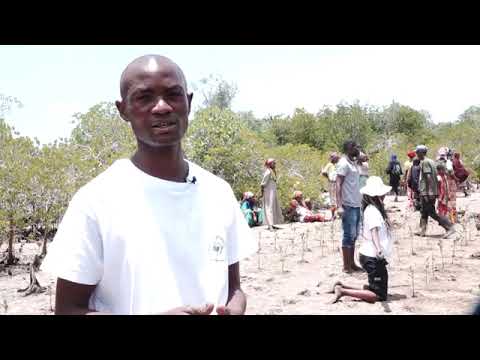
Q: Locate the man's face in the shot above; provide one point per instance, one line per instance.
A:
(156, 105)
(421, 155)
(353, 150)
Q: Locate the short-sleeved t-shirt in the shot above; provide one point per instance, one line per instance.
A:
(150, 245)
(351, 184)
(428, 166)
(372, 218)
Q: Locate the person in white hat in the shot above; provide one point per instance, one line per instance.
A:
(376, 245)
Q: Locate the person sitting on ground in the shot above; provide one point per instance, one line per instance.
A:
(376, 247)
(298, 195)
(252, 213)
(394, 170)
(447, 189)
(305, 215)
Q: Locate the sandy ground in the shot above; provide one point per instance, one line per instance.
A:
(298, 264)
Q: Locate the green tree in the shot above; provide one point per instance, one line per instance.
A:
(216, 92)
(99, 138)
(16, 154)
(347, 122)
(52, 184)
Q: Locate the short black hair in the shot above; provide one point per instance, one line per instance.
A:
(347, 144)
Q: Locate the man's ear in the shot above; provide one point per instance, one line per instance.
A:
(121, 110)
(189, 99)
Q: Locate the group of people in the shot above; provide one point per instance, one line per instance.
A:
(271, 214)
(432, 186)
(360, 205)
(362, 210)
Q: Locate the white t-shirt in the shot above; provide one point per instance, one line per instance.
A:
(150, 245)
(372, 218)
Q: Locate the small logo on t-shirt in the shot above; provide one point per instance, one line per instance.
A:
(217, 249)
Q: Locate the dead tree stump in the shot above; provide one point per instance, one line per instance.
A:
(34, 287)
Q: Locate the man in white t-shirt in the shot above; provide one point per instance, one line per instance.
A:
(349, 201)
(140, 238)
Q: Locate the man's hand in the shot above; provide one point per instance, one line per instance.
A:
(380, 255)
(225, 310)
(190, 310)
(340, 211)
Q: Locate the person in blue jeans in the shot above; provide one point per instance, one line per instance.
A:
(349, 201)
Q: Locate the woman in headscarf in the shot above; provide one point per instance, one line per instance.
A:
(252, 213)
(407, 166)
(447, 192)
(271, 204)
(394, 170)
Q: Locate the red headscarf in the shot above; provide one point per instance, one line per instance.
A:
(411, 154)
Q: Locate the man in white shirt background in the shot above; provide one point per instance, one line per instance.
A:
(138, 239)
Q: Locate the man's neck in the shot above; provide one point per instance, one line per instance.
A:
(166, 163)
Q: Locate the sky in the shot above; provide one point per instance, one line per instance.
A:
(55, 82)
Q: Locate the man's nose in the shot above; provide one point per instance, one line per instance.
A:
(161, 107)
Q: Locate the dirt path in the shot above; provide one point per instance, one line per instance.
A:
(280, 280)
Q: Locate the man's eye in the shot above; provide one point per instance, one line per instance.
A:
(143, 97)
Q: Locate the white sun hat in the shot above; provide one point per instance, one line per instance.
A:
(375, 187)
